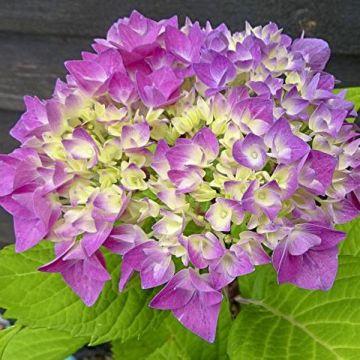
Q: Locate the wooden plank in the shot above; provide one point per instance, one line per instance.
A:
(7, 144)
(346, 69)
(335, 20)
(7, 121)
(6, 229)
(30, 64)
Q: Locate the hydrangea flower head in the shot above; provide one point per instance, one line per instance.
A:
(196, 154)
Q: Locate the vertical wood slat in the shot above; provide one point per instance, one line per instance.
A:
(335, 20)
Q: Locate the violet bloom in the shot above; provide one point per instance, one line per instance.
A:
(225, 211)
(198, 152)
(152, 262)
(253, 115)
(81, 146)
(193, 301)
(33, 122)
(185, 48)
(316, 52)
(136, 36)
(264, 199)
(215, 74)
(285, 146)
(326, 120)
(135, 136)
(250, 242)
(167, 142)
(247, 54)
(25, 195)
(93, 75)
(234, 262)
(122, 89)
(86, 275)
(250, 152)
(203, 249)
(308, 256)
(217, 39)
(317, 172)
(133, 32)
(160, 88)
(125, 237)
(293, 103)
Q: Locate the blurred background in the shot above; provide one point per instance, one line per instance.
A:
(37, 36)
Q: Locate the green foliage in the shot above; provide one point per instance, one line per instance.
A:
(192, 228)
(351, 246)
(275, 322)
(44, 300)
(22, 343)
(284, 322)
(353, 94)
(172, 341)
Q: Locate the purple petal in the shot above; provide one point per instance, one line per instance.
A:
(343, 211)
(318, 171)
(159, 161)
(160, 88)
(88, 74)
(216, 73)
(208, 142)
(200, 318)
(293, 103)
(250, 152)
(176, 294)
(8, 167)
(87, 278)
(286, 147)
(134, 260)
(235, 262)
(313, 270)
(329, 237)
(125, 237)
(186, 180)
(183, 155)
(111, 61)
(299, 242)
(33, 122)
(93, 241)
(286, 176)
(122, 89)
(157, 269)
(178, 44)
(219, 217)
(316, 52)
(135, 135)
(250, 242)
(204, 248)
(254, 115)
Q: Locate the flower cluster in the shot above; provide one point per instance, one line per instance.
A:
(195, 154)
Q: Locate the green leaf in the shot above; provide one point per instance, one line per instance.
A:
(172, 341)
(254, 285)
(43, 300)
(192, 228)
(353, 95)
(6, 336)
(284, 322)
(37, 344)
(351, 246)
